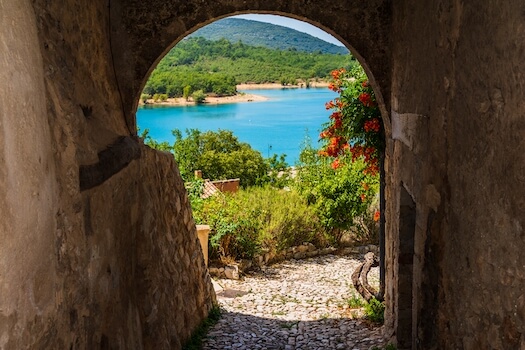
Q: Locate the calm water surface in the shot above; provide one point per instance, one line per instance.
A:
(278, 125)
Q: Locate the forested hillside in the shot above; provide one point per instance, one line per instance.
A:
(217, 66)
(272, 36)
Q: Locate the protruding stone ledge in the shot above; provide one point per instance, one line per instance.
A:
(111, 161)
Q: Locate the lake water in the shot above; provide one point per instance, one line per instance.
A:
(278, 125)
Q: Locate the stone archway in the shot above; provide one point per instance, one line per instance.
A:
(363, 28)
(143, 32)
(366, 36)
(452, 83)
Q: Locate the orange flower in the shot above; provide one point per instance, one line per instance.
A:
(377, 216)
(365, 186)
(329, 105)
(336, 164)
(366, 99)
(363, 197)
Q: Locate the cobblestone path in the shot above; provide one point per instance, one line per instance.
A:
(297, 304)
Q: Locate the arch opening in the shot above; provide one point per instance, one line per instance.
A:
(373, 80)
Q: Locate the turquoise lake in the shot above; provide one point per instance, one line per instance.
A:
(278, 125)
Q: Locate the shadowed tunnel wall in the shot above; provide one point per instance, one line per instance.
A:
(106, 265)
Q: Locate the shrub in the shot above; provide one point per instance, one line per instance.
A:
(355, 302)
(286, 219)
(256, 219)
(340, 196)
(234, 230)
(199, 96)
(220, 155)
(375, 311)
(145, 97)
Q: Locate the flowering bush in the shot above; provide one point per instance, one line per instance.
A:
(342, 198)
(355, 125)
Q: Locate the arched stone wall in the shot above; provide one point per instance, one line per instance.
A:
(97, 265)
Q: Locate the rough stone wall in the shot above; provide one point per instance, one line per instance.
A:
(173, 298)
(110, 266)
(93, 268)
(458, 129)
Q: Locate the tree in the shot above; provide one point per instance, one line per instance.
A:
(186, 92)
(220, 155)
(198, 96)
(144, 98)
(151, 142)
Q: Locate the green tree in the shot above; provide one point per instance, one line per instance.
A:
(144, 97)
(198, 96)
(186, 92)
(220, 155)
(149, 141)
(217, 66)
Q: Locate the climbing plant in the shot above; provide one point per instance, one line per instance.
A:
(355, 125)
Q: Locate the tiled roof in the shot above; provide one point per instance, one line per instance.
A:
(209, 189)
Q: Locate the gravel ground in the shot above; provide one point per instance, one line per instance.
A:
(297, 304)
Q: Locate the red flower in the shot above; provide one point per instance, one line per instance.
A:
(334, 87)
(336, 73)
(372, 125)
(363, 197)
(377, 216)
(365, 84)
(366, 99)
(329, 105)
(336, 115)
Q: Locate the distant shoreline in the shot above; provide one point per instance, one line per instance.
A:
(279, 86)
(210, 100)
(238, 98)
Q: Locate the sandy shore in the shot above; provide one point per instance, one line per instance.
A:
(180, 101)
(239, 98)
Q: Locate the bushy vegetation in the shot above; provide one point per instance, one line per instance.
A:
(375, 311)
(273, 211)
(257, 219)
(173, 80)
(217, 66)
(318, 206)
(343, 198)
(220, 156)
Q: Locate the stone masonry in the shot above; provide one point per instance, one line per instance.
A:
(98, 245)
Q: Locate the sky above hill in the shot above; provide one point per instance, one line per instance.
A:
(294, 24)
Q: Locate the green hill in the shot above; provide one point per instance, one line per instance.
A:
(256, 52)
(268, 35)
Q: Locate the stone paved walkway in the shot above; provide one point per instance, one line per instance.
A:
(299, 305)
